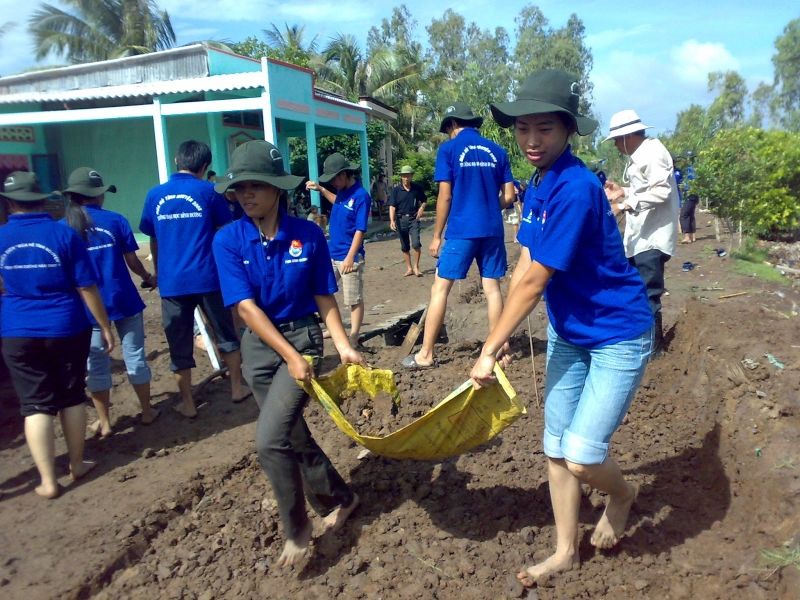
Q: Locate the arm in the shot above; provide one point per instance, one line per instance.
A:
(257, 320)
(329, 195)
(91, 297)
(135, 265)
(154, 254)
(393, 217)
(422, 201)
(509, 195)
(442, 212)
(350, 259)
(522, 299)
(329, 311)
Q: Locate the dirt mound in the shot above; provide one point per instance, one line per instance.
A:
(702, 421)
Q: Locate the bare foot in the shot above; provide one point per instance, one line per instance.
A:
(408, 273)
(611, 526)
(336, 519)
(48, 491)
(422, 363)
(81, 470)
(418, 273)
(295, 550)
(187, 410)
(241, 395)
(149, 416)
(96, 429)
(541, 571)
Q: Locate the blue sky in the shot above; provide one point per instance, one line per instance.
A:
(652, 56)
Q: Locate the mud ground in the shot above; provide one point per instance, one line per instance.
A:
(180, 509)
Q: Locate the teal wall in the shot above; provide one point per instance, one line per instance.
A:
(222, 63)
(123, 152)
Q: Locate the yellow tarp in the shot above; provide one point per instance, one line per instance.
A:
(465, 419)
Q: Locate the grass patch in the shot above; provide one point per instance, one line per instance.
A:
(782, 557)
(749, 260)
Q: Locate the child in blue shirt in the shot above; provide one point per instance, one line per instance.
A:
(112, 249)
(48, 282)
(275, 270)
(600, 331)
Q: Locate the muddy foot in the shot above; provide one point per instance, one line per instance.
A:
(611, 525)
(150, 416)
(81, 470)
(48, 491)
(337, 518)
(295, 550)
(190, 412)
(541, 571)
(96, 429)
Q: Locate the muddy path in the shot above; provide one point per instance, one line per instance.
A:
(181, 509)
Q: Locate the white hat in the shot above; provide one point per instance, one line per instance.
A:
(625, 122)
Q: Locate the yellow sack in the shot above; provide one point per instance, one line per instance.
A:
(465, 419)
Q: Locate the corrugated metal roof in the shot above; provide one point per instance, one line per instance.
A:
(213, 83)
(188, 62)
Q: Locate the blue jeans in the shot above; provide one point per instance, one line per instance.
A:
(98, 366)
(587, 393)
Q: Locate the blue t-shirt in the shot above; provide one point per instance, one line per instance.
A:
(526, 231)
(109, 240)
(595, 297)
(282, 275)
(477, 169)
(350, 213)
(183, 215)
(42, 262)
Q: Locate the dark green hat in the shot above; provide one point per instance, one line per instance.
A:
(22, 186)
(88, 182)
(406, 170)
(546, 91)
(257, 160)
(460, 111)
(335, 164)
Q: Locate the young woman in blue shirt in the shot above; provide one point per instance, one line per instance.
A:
(276, 271)
(47, 278)
(600, 331)
(112, 249)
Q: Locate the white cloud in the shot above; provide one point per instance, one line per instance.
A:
(693, 61)
(611, 38)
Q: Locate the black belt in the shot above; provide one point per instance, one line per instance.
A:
(297, 324)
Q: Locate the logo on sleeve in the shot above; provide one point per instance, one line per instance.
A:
(295, 248)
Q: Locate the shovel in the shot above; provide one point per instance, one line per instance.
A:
(413, 334)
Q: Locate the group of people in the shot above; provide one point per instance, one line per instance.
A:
(277, 275)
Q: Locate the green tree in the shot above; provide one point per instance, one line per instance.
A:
(752, 176)
(288, 45)
(728, 108)
(94, 30)
(786, 105)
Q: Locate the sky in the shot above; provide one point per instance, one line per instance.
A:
(651, 56)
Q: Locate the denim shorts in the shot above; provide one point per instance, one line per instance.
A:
(457, 255)
(98, 367)
(587, 393)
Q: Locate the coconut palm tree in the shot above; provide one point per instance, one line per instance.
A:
(289, 45)
(94, 30)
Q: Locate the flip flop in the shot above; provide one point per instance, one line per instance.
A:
(409, 362)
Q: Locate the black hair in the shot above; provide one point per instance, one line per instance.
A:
(193, 156)
(211, 174)
(569, 121)
(76, 214)
(33, 206)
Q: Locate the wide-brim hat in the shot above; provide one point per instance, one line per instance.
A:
(87, 182)
(625, 122)
(460, 111)
(257, 160)
(22, 186)
(406, 170)
(547, 91)
(335, 164)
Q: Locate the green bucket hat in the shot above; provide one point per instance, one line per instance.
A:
(22, 186)
(335, 164)
(87, 182)
(257, 160)
(460, 111)
(406, 170)
(550, 90)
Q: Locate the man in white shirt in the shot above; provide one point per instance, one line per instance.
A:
(650, 202)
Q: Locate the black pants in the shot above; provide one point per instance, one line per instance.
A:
(650, 265)
(288, 454)
(688, 224)
(48, 374)
(408, 230)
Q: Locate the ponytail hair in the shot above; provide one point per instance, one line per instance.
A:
(76, 215)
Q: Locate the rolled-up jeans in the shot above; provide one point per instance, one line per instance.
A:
(288, 454)
(98, 366)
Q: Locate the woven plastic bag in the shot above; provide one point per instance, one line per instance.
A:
(463, 420)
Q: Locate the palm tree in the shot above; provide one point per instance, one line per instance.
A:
(289, 44)
(97, 30)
